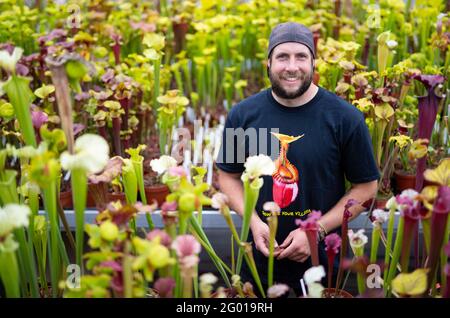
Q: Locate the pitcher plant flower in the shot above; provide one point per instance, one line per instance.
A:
(409, 215)
(439, 227)
(162, 164)
(17, 88)
(91, 155)
(255, 167)
(312, 278)
(428, 108)
(391, 205)
(357, 242)
(311, 227)
(272, 220)
(277, 290)
(344, 239)
(332, 244)
(379, 218)
(12, 216)
(187, 249)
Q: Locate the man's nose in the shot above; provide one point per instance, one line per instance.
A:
(291, 65)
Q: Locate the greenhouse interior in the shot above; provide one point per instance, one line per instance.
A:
(224, 149)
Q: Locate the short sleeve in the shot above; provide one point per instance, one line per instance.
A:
(358, 160)
(231, 155)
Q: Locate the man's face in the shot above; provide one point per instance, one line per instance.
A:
(290, 69)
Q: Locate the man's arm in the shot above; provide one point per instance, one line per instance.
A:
(360, 192)
(296, 246)
(231, 185)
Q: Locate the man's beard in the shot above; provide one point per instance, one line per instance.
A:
(278, 89)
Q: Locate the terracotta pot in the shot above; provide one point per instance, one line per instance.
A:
(157, 192)
(65, 199)
(90, 202)
(332, 293)
(101, 204)
(404, 181)
(117, 197)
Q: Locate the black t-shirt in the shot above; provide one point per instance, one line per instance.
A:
(333, 143)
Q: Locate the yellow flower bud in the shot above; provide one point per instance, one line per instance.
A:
(186, 202)
(109, 231)
(159, 256)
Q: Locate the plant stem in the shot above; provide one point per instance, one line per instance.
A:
(55, 260)
(27, 255)
(8, 192)
(200, 232)
(199, 215)
(273, 224)
(395, 256)
(248, 255)
(64, 102)
(211, 252)
(233, 265)
(331, 257)
(390, 233)
(127, 272)
(375, 241)
(155, 95)
(409, 230)
(116, 135)
(444, 257)
(438, 227)
(250, 198)
(312, 240)
(9, 273)
(426, 234)
(79, 194)
(19, 94)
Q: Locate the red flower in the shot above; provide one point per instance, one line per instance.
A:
(117, 279)
(439, 219)
(164, 287)
(177, 171)
(311, 228)
(310, 224)
(164, 237)
(442, 204)
(332, 243)
(186, 245)
(168, 212)
(38, 118)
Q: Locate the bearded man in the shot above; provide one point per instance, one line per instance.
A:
(320, 141)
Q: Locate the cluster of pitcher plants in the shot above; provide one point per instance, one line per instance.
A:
(101, 100)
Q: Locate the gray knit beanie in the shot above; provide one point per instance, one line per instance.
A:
(291, 32)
